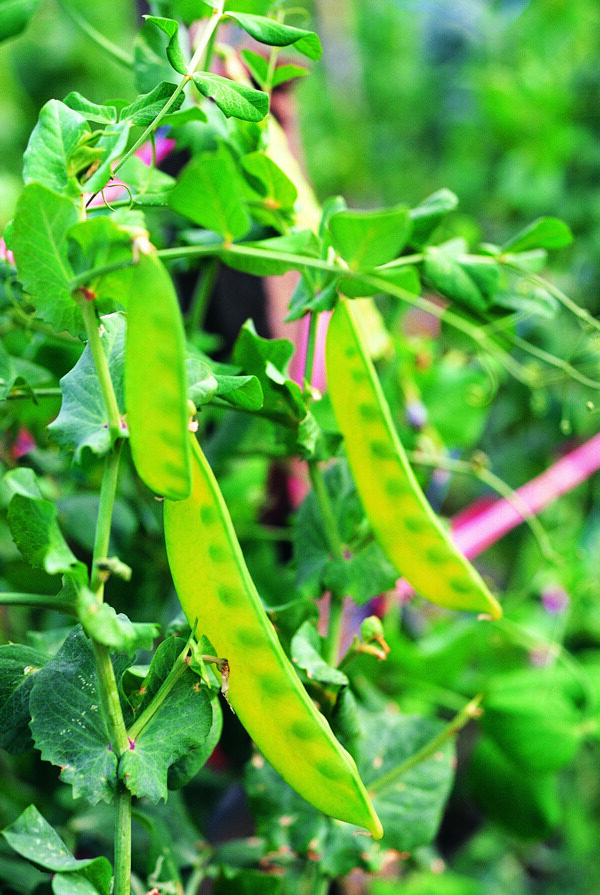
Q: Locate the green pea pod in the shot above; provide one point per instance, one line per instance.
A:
(405, 526)
(216, 590)
(156, 383)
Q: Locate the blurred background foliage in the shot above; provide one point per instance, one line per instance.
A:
(498, 101)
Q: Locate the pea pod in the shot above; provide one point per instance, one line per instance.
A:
(155, 381)
(215, 588)
(405, 526)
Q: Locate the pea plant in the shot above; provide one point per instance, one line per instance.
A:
(146, 482)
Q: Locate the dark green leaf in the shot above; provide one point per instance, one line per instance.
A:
(306, 655)
(18, 667)
(67, 721)
(15, 16)
(143, 110)
(267, 359)
(209, 191)
(429, 213)
(54, 139)
(175, 54)
(34, 526)
(181, 724)
(233, 99)
(42, 220)
(248, 882)
(101, 622)
(185, 768)
(544, 233)
(451, 279)
(366, 239)
(275, 34)
(83, 418)
(33, 838)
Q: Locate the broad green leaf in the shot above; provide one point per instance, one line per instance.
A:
(41, 223)
(233, 99)
(404, 277)
(17, 372)
(207, 379)
(67, 722)
(18, 667)
(150, 63)
(267, 178)
(21, 480)
(276, 34)
(267, 359)
(34, 527)
(77, 883)
(33, 838)
(410, 806)
(53, 141)
(209, 191)
(101, 622)
(306, 655)
(89, 110)
(366, 239)
(452, 280)
(102, 241)
(143, 110)
(15, 16)
(180, 725)
(83, 418)
(185, 768)
(544, 233)
(429, 213)
(175, 54)
(455, 395)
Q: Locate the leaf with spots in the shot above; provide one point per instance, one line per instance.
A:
(33, 838)
(18, 667)
(67, 721)
(83, 418)
(409, 804)
(174, 719)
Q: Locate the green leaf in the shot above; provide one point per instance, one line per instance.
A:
(53, 141)
(101, 622)
(208, 191)
(428, 215)
(144, 109)
(89, 110)
(208, 379)
(180, 725)
(18, 667)
(451, 278)
(41, 223)
(258, 67)
(275, 34)
(366, 239)
(109, 147)
(150, 64)
(262, 260)
(34, 527)
(455, 395)
(145, 181)
(248, 882)
(101, 241)
(267, 359)
(83, 418)
(233, 99)
(175, 54)
(67, 721)
(410, 806)
(275, 188)
(306, 655)
(401, 277)
(185, 768)
(15, 16)
(544, 233)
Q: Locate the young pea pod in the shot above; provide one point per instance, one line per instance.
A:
(217, 592)
(155, 382)
(405, 526)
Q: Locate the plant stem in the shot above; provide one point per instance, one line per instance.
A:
(122, 881)
(39, 601)
(32, 394)
(107, 45)
(105, 512)
(311, 342)
(165, 688)
(386, 780)
(101, 364)
(202, 295)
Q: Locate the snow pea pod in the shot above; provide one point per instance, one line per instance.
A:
(156, 383)
(405, 526)
(215, 588)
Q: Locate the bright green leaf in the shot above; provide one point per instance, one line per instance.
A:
(53, 141)
(429, 213)
(101, 622)
(15, 16)
(276, 34)
(306, 655)
(143, 110)
(233, 99)
(452, 280)
(175, 54)
(33, 523)
(267, 178)
(544, 233)
(366, 239)
(208, 191)
(89, 110)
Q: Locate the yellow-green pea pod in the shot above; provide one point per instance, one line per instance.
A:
(405, 526)
(217, 592)
(155, 382)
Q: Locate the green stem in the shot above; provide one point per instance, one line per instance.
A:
(122, 881)
(108, 493)
(311, 343)
(32, 394)
(202, 295)
(101, 364)
(178, 669)
(39, 601)
(110, 699)
(466, 714)
(107, 45)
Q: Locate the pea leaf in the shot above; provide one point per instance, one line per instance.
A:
(53, 141)
(366, 239)
(306, 655)
(452, 279)
(34, 527)
(271, 257)
(150, 64)
(233, 99)
(42, 219)
(101, 622)
(15, 16)
(108, 147)
(175, 54)
(402, 277)
(18, 667)
(410, 806)
(429, 214)
(144, 109)
(180, 725)
(276, 34)
(83, 419)
(273, 185)
(208, 192)
(89, 110)
(259, 69)
(544, 233)
(101, 241)
(67, 722)
(33, 838)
